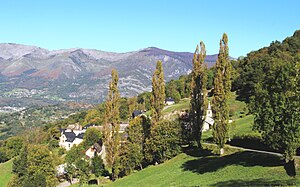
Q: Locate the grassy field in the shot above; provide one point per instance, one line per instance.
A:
(235, 169)
(183, 104)
(5, 173)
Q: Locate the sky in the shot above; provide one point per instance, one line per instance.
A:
(122, 26)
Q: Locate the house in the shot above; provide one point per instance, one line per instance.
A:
(137, 113)
(209, 121)
(72, 135)
(97, 148)
(169, 101)
(69, 138)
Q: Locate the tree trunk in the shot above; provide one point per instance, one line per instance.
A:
(290, 168)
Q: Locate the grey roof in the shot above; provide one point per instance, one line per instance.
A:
(169, 99)
(61, 130)
(80, 135)
(70, 136)
(97, 147)
(136, 113)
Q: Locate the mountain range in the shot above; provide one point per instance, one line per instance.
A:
(83, 74)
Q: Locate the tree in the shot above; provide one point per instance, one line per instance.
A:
(93, 116)
(158, 93)
(112, 118)
(91, 136)
(3, 155)
(83, 168)
(13, 146)
(97, 165)
(53, 133)
(222, 87)
(132, 150)
(40, 162)
(124, 109)
(198, 96)
(144, 99)
(73, 155)
(20, 167)
(132, 104)
(172, 90)
(34, 167)
(276, 105)
(164, 142)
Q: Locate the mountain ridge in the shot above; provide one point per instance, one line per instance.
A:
(79, 74)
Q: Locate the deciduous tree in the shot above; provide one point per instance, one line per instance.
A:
(158, 93)
(222, 87)
(112, 119)
(198, 96)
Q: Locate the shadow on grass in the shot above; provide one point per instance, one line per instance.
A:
(256, 182)
(246, 158)
(195, 152)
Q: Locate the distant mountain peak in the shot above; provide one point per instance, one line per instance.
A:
(79, 74)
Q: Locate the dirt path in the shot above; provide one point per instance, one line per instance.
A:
(253, 150)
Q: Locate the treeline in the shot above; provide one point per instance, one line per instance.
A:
(269, 81)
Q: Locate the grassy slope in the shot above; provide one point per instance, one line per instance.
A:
(5, 172)
(236, 169)
(181, 105)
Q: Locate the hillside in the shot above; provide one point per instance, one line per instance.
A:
(82, 74)
(5, 172)
(234, 169)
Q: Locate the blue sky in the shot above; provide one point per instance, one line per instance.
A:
(121, 26)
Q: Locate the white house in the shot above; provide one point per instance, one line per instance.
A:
(70, 137)
(169, 101)
(97, 148)
(209, 121)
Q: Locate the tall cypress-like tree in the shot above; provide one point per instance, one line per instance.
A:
(222, 87)
(112, 125)
(158, 93)
(198, 96)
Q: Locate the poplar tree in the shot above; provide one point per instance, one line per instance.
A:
(222, 87)
(158, 93)
(198, 96)
(112, 125)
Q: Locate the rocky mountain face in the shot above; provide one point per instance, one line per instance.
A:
(83, 74)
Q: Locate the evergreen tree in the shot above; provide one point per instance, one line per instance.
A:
(112, 118)
(198, 96)
(158, 93)
(222, 87)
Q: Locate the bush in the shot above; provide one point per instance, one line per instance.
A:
(250, 141)
(164, 142)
